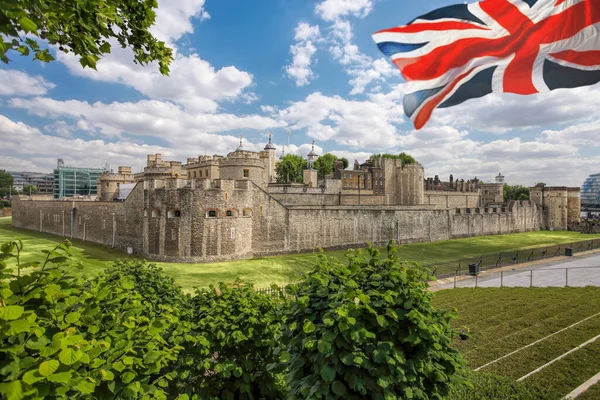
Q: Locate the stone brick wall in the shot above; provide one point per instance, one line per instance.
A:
(5, 212)
(201, 220)
(441, 199)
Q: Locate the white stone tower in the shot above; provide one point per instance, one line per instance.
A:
(271, 159)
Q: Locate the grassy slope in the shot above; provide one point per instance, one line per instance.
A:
(592, 393)
(287, 268)
(503, 320)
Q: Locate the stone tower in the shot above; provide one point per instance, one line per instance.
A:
(270, 157)
(310, 175)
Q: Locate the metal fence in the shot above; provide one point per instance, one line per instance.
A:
(491, 261)
(541, 277)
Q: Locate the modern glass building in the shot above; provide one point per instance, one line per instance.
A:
(75, 182)
(590, 192)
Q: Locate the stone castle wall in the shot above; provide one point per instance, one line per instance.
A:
(441, 199)
(202, 220)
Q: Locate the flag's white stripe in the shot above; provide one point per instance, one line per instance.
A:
(498, 78)
(491, 23)
(576, 66)
(435, 21)
(545, 8)
(537, 77)
(585, 40)
(440, 37)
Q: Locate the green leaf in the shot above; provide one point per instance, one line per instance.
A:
(31, 377)
(72, 317)
(86, 387)
(127, 360)
(12, 390)
(27, 24)
(18, 326)
(381, 321)
(324, 347)
(105, 48)
(127, 377)
(47, 368)
(308, 327)
(9, 313)
(61, 377)
(328, 373)
(151, 357)
(69, 356)
(107, 375)
(338, 388)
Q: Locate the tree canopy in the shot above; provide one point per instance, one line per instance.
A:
(406, 158)
(289, 169)
(325, 165)
(516, 192)
(30, 189)
(6, 181)
(83, 27)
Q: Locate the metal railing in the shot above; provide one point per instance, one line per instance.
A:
(498, 260)
(541, 277)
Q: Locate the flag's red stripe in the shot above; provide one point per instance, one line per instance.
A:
(425, 113)
(434, 26)
(506, 14)
(585, 58)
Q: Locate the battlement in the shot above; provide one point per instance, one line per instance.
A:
(243, 154)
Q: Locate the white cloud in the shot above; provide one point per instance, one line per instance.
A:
(306, 31)
(193, 82)
(352, 123)
(331, 10)
(17, 83)
(173, 18)
(584, 135)
(148, 118)
(303, 52)
(61, 128)
(501, 112)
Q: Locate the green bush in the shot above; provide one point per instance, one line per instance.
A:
(494, 387)
(368, 330)
(230, 354)
(65, 337)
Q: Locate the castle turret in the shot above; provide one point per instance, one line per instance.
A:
(270, 154)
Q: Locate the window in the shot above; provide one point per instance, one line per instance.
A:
(486, 192)
(246, 173)
(156, 213)
(229, 213)
(174, 214)
(212, 214)
(106, 184)
(247, 212)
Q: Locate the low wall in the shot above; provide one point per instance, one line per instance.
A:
(6, 212)
(442, 199)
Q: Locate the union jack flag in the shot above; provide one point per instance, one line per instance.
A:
(462, 52)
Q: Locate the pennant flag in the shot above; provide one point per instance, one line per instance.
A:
(463, 52)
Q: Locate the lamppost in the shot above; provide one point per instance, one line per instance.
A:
(359, 189)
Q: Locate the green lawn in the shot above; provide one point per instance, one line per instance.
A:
(504, 320)
(287, 268)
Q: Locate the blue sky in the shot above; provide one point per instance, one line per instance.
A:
(309, 68)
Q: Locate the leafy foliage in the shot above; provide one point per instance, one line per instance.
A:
(325, 165)
(235, 331)
(494, 387)
(86, 28)
(406, 158)
(64, 337)
(516, 192)
(130, 332)
(6, 182)
(290, 169)
(368, 328)
(27, 189)
(345, 162)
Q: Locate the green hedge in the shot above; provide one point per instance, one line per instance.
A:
(365, 329)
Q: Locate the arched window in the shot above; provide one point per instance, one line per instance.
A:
(174, 213)
(211, 214)
(229, 213)
(145, 213)
(155, 213)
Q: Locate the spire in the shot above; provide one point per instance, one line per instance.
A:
(312, 152)
(270, 145)
(241, 147)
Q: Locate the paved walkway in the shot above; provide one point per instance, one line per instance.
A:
(583, 270)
